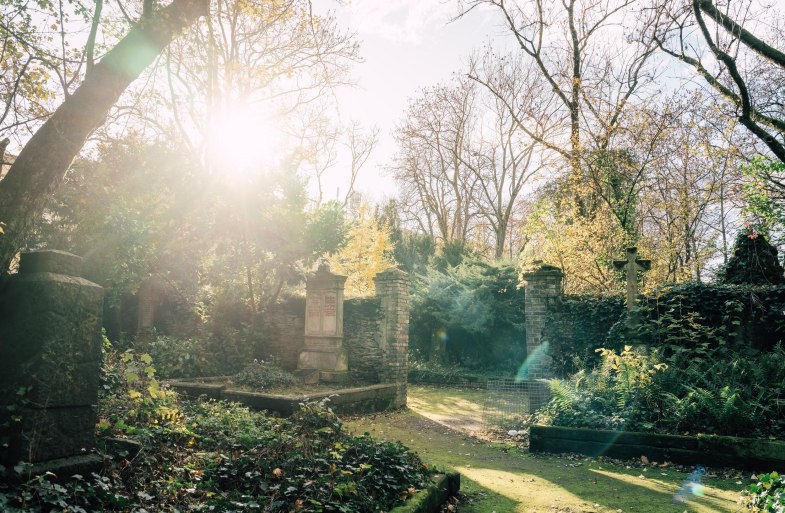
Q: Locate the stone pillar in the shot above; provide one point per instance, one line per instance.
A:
(543, 284)
(324, 351)
(392, 289)
(50, 360)
(147, 301)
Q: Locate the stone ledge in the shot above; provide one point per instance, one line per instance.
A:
(433, 496)
(370, 399)
(62, 468)
(712, 450)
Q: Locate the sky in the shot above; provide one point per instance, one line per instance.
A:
(406, 45)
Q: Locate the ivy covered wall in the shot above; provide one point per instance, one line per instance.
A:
(677, 317)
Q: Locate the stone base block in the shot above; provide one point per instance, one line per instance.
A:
(334, 377)
(307, 376)
(52, 433)
(62, 468)
(324, 361)
(323, 343)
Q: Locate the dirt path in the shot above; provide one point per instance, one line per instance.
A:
(504, 479)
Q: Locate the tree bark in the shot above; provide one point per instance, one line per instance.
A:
(41, 165)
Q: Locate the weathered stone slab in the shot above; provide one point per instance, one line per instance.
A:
(51, 433)
(710, 450)
(336, 361)
(370, 399)
(325, 344)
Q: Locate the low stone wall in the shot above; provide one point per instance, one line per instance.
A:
(432, 498)
(712, 450)
(370, 399)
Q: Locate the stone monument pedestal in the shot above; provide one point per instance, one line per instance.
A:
(50, 362)
(324, 351)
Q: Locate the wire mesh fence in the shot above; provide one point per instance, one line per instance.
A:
(509, 403)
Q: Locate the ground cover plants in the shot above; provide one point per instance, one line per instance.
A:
(688, 392)
(262, 375)
(766, 495)
(218, 456)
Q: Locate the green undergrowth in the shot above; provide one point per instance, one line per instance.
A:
(262, 376)
(711, 391)
(219, 456)
(426, 373)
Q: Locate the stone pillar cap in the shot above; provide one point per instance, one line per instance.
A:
(393, 271)
(323, 276)
(50, 261)
(539, 268)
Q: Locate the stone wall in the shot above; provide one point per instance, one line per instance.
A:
(361, 336)
(284, 332)
(284, 324)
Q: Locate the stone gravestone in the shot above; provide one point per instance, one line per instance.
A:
(632, 265)
(324, 351)
(50, 361)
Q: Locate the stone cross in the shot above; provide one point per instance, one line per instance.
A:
(632, 265)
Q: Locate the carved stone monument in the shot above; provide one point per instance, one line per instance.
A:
(324, 351)
(632, 265)
(50, 361)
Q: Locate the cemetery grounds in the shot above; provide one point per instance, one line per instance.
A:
(445, 426)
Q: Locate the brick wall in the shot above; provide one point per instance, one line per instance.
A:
(543, 285)
(392, 289)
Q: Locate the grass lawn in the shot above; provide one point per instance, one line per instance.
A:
(501, 478)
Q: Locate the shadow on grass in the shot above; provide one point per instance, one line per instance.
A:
(514, 481)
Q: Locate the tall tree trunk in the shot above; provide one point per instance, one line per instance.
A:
(41, 165)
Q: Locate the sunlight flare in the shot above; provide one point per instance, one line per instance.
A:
(242, 141)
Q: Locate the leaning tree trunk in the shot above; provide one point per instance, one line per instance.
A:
(41, 165)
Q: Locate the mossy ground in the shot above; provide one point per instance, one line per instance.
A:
(502, 478)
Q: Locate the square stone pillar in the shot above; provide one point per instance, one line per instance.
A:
(392, 289)
(543, 284)
(50, 360)
(324, 351)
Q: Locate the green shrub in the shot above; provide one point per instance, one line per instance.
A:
(690, 315)
(178, 357)
(767, 495)
(620, 393)
(472, 312)
(260, 376)
(754, 262)
(703, 390)
(576, 326)
(219, 456)
(131, 399)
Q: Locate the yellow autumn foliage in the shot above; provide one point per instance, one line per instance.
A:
(367, 253)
